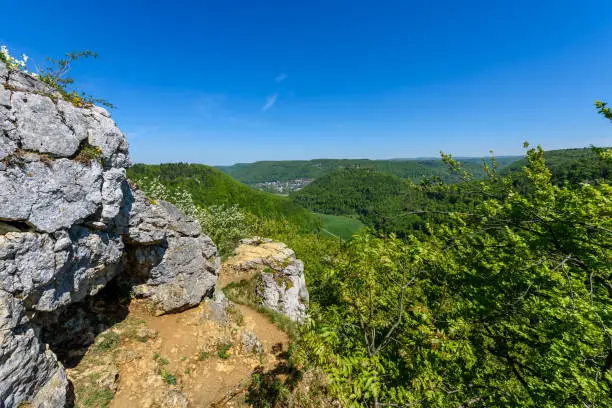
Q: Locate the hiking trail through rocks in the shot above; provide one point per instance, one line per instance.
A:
(182, 359)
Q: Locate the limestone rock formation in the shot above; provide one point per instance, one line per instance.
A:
(69, 224)
(175, 262)
(281, 283)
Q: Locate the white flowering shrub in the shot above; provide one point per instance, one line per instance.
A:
(225, 224)
(55, 75)
(12, 62)
(153, 188)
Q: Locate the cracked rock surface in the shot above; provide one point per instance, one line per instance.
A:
(69, 224)
(282, 285)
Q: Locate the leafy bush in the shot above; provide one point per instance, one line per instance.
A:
(226, 225)
(55, 75)
(506, 305)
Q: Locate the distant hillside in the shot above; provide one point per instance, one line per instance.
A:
(210, 186)
(385, 201)
(414, 169)
(379, 199)
(572, 165)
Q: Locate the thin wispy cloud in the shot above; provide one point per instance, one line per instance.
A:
(281, 77)
(270, 101)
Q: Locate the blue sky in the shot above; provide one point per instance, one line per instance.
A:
(219, 82)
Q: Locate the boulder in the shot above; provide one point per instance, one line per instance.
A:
(28, 370)
(251, 343)
(48, 271)
(216, 308)
(282, 285)
(284, 290)
(169, 260)
(51, 196)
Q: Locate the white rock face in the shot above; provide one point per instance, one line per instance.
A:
(51, 196)
(41, 127)
(69, 224)
(50, 271)
(283, 285)
(284, 290)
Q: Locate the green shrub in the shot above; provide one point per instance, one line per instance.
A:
(54, 75)
(223, 350)
(225, 224)
(168, 377)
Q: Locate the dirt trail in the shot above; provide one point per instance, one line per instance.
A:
(190, 347)
(183, 359)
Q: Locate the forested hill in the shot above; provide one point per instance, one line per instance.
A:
(209, 186)
(414, 169)
(392, 204)
(572, 165)
(379, 199)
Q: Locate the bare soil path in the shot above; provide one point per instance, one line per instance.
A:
(183, 359)
(188, 347)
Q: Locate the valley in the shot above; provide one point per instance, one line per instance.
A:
(291, 176)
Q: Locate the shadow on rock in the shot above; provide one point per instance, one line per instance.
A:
(71, 332)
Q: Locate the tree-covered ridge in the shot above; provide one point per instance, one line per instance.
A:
(209, 186)
(572, 165)
(389, 203)
(414, 169)
(380, 200)
(351, 191)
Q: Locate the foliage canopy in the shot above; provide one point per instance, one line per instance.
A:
(507, 305)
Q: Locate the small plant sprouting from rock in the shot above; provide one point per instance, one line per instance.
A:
(168, 377)
(56, 77)
(87, 153)
(223, 350)
(108, 341)
(165, 374)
